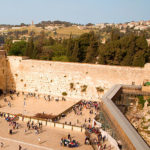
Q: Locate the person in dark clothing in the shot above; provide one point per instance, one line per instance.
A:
(69, 136)
(10, 131)
(20, 147)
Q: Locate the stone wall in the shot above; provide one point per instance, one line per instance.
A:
(2, 70)
(77, 80)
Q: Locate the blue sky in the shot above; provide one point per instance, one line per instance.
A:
(78, 11)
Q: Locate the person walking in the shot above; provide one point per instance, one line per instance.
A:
(20, 147)
(2, 144)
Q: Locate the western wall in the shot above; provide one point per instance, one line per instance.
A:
(80, 81)
(76, 80)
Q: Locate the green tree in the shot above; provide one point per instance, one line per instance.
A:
(83, 42)
(139, 59)
(116, 35)
(8, 44)
(91, 53)
(30, 48)
(18, 48)
(47, 53)
(70, 46)
(74, 57)
(51, 41)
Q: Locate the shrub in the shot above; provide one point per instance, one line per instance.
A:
(60, 58)
(99, 89)
(64, 93)
(83, 88)
(71, 85)
(148, 102)
(44, 116)
(141, 101)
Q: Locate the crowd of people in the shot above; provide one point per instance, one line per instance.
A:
(99, 140)
(89, 105)
(86, 104)
(30, 126)
(36, 127)
(14, 125)
(47, 98)
(69, 142)
(83, 112)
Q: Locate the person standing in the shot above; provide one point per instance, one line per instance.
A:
(69, 137)
(39, 140)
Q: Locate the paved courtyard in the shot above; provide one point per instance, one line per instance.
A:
(49, 138)
(79, 120)
(25, 107)
(81, 114)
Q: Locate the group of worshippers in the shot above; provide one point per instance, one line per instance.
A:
(7, 100)
(29, 94)
(86, 104)
(46, 97)
(69, 142)
(15, 125)
(89, 105)
(36, 127)
(12, 123)
(100, 140)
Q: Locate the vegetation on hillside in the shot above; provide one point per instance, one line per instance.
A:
(58, 22)
(128, 49)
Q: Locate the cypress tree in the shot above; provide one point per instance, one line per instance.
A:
(91, 52)
(74, 57)
(30, 48)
